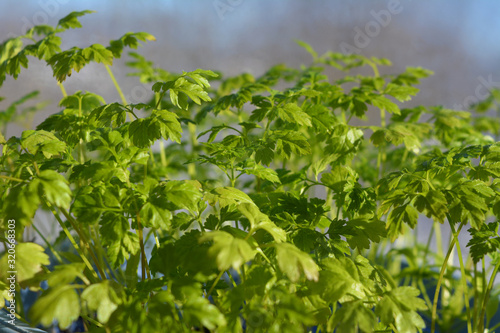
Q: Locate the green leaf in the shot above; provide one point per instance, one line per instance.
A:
(407, 214)
(145, 131)
(292, 113)
(66, 274)
(113, 114)
(61, 303)
(383, 103)
(102, 298)
(227, 250)
(54, 187)
(294, 262)
(343, 271)
(227, 196)
(130, 39)
(70, 21)
(278, 234)
(155, 214)
(99, 54)
(252, 213)
(433, 203)
(484, 241)
(184, 194)
(352, 315)
(308, 48)
(264, 155)
(401, 93)
(29, 258)
(361, 232)
(43, 141)
(170, 128)
(399, 306)
(288, 142)
(21, 204)
(115, 235)
(65, 62)
(198, 310)
(263, 173)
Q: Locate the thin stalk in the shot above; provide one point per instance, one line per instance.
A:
(463, 277)
(51, 248)
(163, 157)
(119, 90)
(439, 238)
(63, 91)
(215, 283)
(117, 86)
(487, 295)
(12, 178)
(85, 240)
(440, 280)
(75, 245)
(144, 262)
(476, 298)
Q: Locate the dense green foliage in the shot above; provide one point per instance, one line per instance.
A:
(269, 204)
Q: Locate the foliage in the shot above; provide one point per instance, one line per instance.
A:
(270, 205)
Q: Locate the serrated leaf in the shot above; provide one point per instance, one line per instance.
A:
(183, 194)
(278, 234)
(433, 203)
(292, 113)
(294, 262)
(383, 103)
(70, 21)
(264, 155)
(99, 54)
(362, 231)
(102, 298)
(308, 48)
(54, 187)
(66, 274)
(43, 141)
(170, 128)
(263, 173)
(353, 315)
(199, 311)
(227, 196)
(228, 250)
(29, 258)
(399, 306)
(61, 303)
(291, 142)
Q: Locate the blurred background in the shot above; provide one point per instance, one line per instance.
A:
(459, 40)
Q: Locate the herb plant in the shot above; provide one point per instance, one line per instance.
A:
(269, 202)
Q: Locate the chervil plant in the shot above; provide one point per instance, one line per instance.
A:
(269, 204)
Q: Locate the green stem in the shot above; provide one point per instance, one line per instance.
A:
(463, 277)
(12, 178)
(63, 91)
(487, 295)
(215, 283)
(144, 261)
(476, 299)
(86, 241)
(75, 245)
(51, 248)
(163, 157)
(440, 281)
(118, 89)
